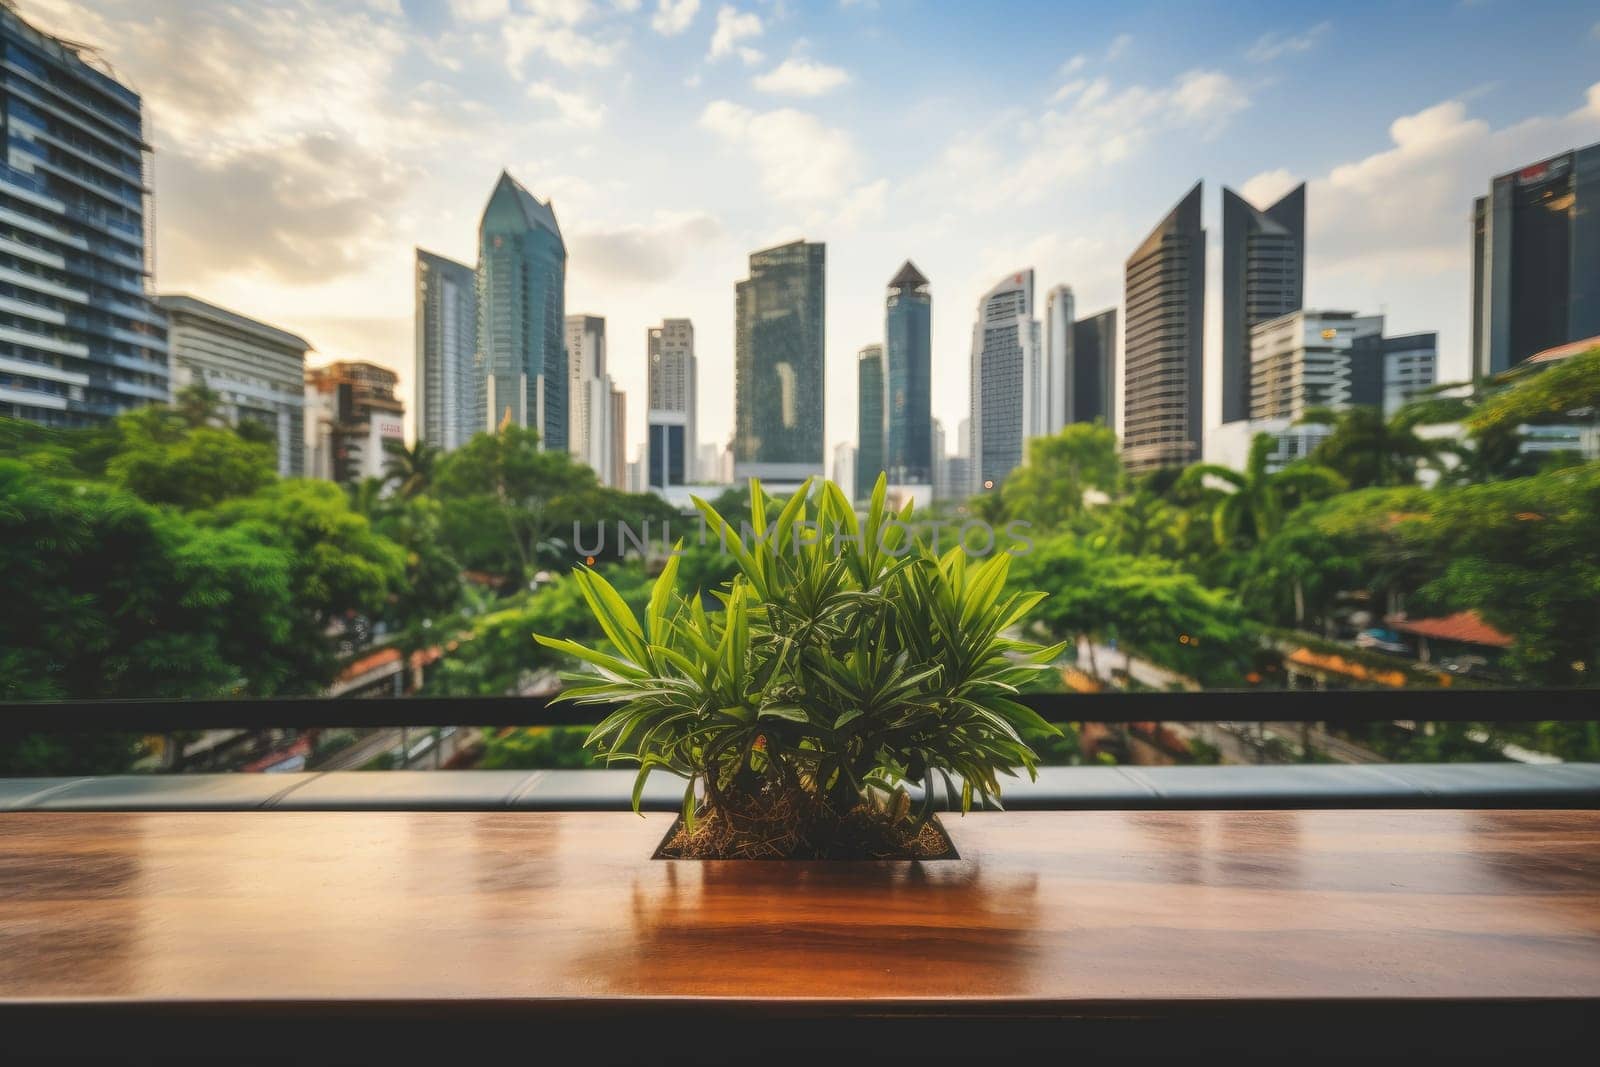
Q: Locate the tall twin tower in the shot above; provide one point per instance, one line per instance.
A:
(1263, 277)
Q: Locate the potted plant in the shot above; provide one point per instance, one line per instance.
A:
(846, 660)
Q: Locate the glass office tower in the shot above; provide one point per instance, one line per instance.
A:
(447, 402)
(1008, 380)
(522, 275)
(778, 365)
(80, 337)
(1263, 277)
(1091, 369)
(1536, 260)
(908, 368)
(871, 420)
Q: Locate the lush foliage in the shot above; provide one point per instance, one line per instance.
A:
(844, 658)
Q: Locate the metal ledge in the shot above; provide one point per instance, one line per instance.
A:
(1443, 785)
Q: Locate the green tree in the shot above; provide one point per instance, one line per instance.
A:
(410, 469)
(110, 597)
(1048, 489)
(163, 460)
(1556, 393)
(1366, 449)
(1147, 605)
(510, 508)
(1524, 554)
(1294, 575)
(338, 563)
(1260, 499)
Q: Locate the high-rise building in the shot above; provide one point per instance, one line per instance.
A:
(617, 476)
(1390, 372)
(1263, 277)
(778, 365)
(844, 468)
(708, 465)
(81, 339)
(1091, 373)
(447, 374)
(588, 393)
(941, 462)
(872, 438)
(672, 371)
(257, 371)
(1008, 380)
(1163, 354)
(1536, 260)
(908, 372)
(522, 273)
(1302, 360)
(353, 420)
(961, 476)
(1059, 345)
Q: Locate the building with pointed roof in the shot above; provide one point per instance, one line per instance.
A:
(1163, 354)
(522, 275)
(908, 372)
(1263, 278)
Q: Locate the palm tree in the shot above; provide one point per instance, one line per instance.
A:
(1260, 499)
(411, 469)
(1368, 449)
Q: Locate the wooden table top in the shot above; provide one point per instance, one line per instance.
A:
(1049, 907)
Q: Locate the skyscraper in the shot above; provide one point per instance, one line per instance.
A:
(257, 371)
(588, 393)
(1536, 260)
(447, 377)
(778, 365)
(908, 370)
(872, 438)
(82, 339)
(1059, 341)
(672, 370)
(617, 476)
(522, 274)
(1008, 380)
(1263, 277)
(1164, 301)
(1090, 374)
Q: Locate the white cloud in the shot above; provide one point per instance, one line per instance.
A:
(1118, 47)
(479, 10)
(1390, 230)
(626, 6)
(799, 159)
(672, 17)
(644, 254)
(1208, 97)
(1270, 46)
(734, 26)
(548, 28)
(1073, 65)
(801, 77)
(575, 109)
(1268, 187)
(1091, 125)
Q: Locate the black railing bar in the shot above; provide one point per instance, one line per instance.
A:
(1251, 706)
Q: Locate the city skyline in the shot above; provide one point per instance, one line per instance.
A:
(1391, 175)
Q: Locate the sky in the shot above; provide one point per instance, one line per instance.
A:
(304, 148)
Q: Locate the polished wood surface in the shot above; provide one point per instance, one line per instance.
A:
(1062, 909)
